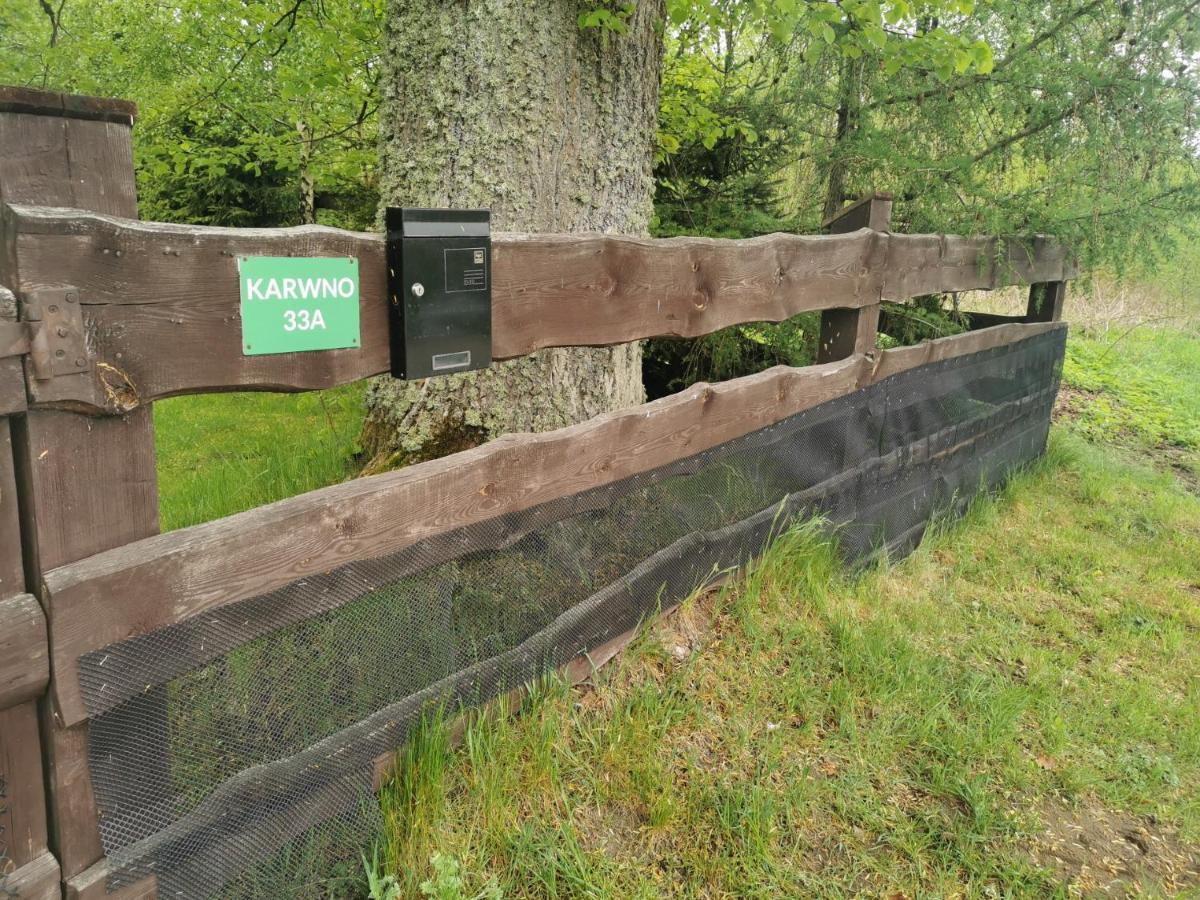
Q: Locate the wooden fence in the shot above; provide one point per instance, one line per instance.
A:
(103, 314)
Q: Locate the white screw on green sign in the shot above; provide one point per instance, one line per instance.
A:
(292, 304)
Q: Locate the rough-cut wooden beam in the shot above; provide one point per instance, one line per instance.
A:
(29, 101)
(169, 578)
(24, 655)
(86, 485)
(12, 565)
(941, 263)
(161, 301)
(901, 359)
(872, 211)
(23, 807)
(36, 880)
(847, 331)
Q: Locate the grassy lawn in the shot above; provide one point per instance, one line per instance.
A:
(1139, 389)
(1014, 708)
(224, 453)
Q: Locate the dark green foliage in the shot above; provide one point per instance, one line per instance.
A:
(921, 319)
(669, 366)
(209, 178)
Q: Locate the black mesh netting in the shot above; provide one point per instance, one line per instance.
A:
(217, 743)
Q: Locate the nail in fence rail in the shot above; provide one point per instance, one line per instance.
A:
(159, 312)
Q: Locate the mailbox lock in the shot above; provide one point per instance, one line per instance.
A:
(418, 289)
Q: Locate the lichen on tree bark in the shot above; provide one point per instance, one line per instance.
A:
(508, 104)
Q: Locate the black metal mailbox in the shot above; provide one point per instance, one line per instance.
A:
(439, 290)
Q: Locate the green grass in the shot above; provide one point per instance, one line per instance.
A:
(1139, 389)
(902, 733)
(220, 454)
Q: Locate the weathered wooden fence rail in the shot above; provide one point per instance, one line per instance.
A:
(160, 302)
(140, 311)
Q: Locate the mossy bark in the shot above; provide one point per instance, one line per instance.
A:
(508, 104)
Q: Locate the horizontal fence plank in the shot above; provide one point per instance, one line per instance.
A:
(72, 106)
(24, 652)
(161, 301)
(169, 578)
(92, 884)
(36, 880)
(937, 263)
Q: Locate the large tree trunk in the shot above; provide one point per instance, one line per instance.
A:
(507, 104)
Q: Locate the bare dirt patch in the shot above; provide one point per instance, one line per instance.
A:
(1103, 853)
(1070, 402)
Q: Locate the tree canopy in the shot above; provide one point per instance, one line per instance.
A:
(1077, 118)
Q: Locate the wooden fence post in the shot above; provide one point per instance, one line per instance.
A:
(848, 331)
(27, 868)
(86, 484)
(1046, 301)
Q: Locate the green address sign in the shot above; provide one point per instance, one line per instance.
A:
(292, 304)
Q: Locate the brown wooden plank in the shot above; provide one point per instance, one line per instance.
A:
(23, 805)
(12, 574)
(12, 386)
(36, 880)
(563, 290)
(12, 373)
(91, 885)
(90, 485)
(97, 150)
(85, 485)
(34, 165)
(74, 817)
(932, 263)
(58, 161)
(30, 101)
(161, 301)
(847, 331)
(901, 359)
(92, 482)
(24, 652)
(170, 577)
(872, 211)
